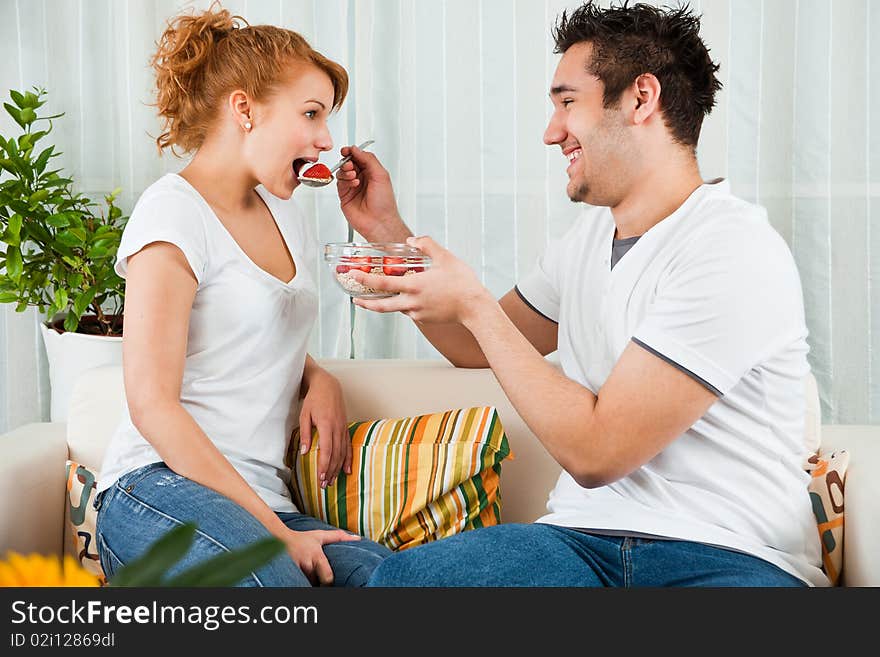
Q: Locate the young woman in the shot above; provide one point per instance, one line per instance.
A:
(219, 306)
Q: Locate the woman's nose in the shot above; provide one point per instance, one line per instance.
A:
(324, 142)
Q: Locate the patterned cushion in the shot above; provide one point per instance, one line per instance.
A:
(81, 485)
(828, 470)
(414, 479)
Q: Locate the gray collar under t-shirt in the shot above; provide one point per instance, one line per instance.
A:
(620, 247)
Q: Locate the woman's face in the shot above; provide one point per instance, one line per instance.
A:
(290, 129)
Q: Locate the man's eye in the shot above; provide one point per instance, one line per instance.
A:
(566, 102)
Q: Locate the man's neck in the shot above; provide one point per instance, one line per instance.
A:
(654, 197)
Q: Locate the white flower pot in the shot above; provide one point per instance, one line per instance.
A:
(69, 355)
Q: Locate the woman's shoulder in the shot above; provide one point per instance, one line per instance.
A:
(172, 203)
(168, 193)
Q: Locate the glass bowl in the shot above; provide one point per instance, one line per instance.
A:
(384, 258)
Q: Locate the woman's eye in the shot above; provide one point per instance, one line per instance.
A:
(311, 114)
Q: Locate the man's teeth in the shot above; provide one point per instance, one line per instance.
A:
(574, 155)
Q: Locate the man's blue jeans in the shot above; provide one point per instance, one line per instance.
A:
(145, 504)
(548, 555)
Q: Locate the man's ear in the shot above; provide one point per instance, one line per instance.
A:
(646, 91)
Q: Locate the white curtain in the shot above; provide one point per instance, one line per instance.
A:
(454, 93)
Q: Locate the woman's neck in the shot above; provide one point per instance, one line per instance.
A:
(224, 184)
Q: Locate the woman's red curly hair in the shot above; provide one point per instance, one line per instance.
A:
(200, 58)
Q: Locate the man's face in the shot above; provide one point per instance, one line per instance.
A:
(594, 139)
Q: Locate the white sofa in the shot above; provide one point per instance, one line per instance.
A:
(32, 457)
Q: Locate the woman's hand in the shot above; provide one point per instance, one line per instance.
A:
(323, 408)
(307, 551)
(367, 197)
(448, 292)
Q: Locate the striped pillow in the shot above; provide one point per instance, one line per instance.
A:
(413, 480)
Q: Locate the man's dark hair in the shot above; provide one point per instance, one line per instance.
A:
(631, 41)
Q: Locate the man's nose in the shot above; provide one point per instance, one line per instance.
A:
(555, 132)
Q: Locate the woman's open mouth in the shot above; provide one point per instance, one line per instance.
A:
(298, 165)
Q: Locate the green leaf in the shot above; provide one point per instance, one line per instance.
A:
(38, 197)
(15, 113)
(30, 100)
(58, 182)
(8, 297)
(159, 558)
(68, 238)
(37, 136)
(37, 233)
(230, 567)
(83, 300)
(22, 306)
(28, 115)
(18, 98)
(13, 263)
(71, 322)
(9, 166)
(60, 298)
(43, 159)
(12, 147)
(59, 220)
(13, 231)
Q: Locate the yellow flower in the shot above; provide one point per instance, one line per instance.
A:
(39, 570)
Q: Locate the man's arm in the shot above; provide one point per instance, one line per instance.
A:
(367, 200)
(645, 404)
(460, 347)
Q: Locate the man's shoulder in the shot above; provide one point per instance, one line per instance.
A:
(727, 223)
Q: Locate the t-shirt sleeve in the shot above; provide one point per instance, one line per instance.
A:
(724, 307)
(540, 289)
(165, 217)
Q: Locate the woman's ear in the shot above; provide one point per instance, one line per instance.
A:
(646, 90)
(240, 106)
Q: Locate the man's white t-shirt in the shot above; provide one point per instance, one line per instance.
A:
(714, 289)
(247, 338)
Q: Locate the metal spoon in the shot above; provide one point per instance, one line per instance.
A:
(315, 182)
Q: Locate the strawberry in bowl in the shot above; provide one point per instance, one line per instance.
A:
(385, 259)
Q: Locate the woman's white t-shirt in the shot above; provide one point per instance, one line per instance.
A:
(247, 338)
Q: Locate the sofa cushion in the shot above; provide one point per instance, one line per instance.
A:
(81, 485)
(826, 488)
(95, 410)
(414, 479)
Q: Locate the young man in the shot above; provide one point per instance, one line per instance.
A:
(677, 312)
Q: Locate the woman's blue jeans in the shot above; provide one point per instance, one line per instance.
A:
(548, 555)
(145, 504)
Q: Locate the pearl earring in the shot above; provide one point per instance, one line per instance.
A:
(247, 126)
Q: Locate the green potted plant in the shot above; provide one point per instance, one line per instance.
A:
(59, 252)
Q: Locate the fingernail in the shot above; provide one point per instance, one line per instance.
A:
(303, 448)
(348, 470)
(323, 476)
